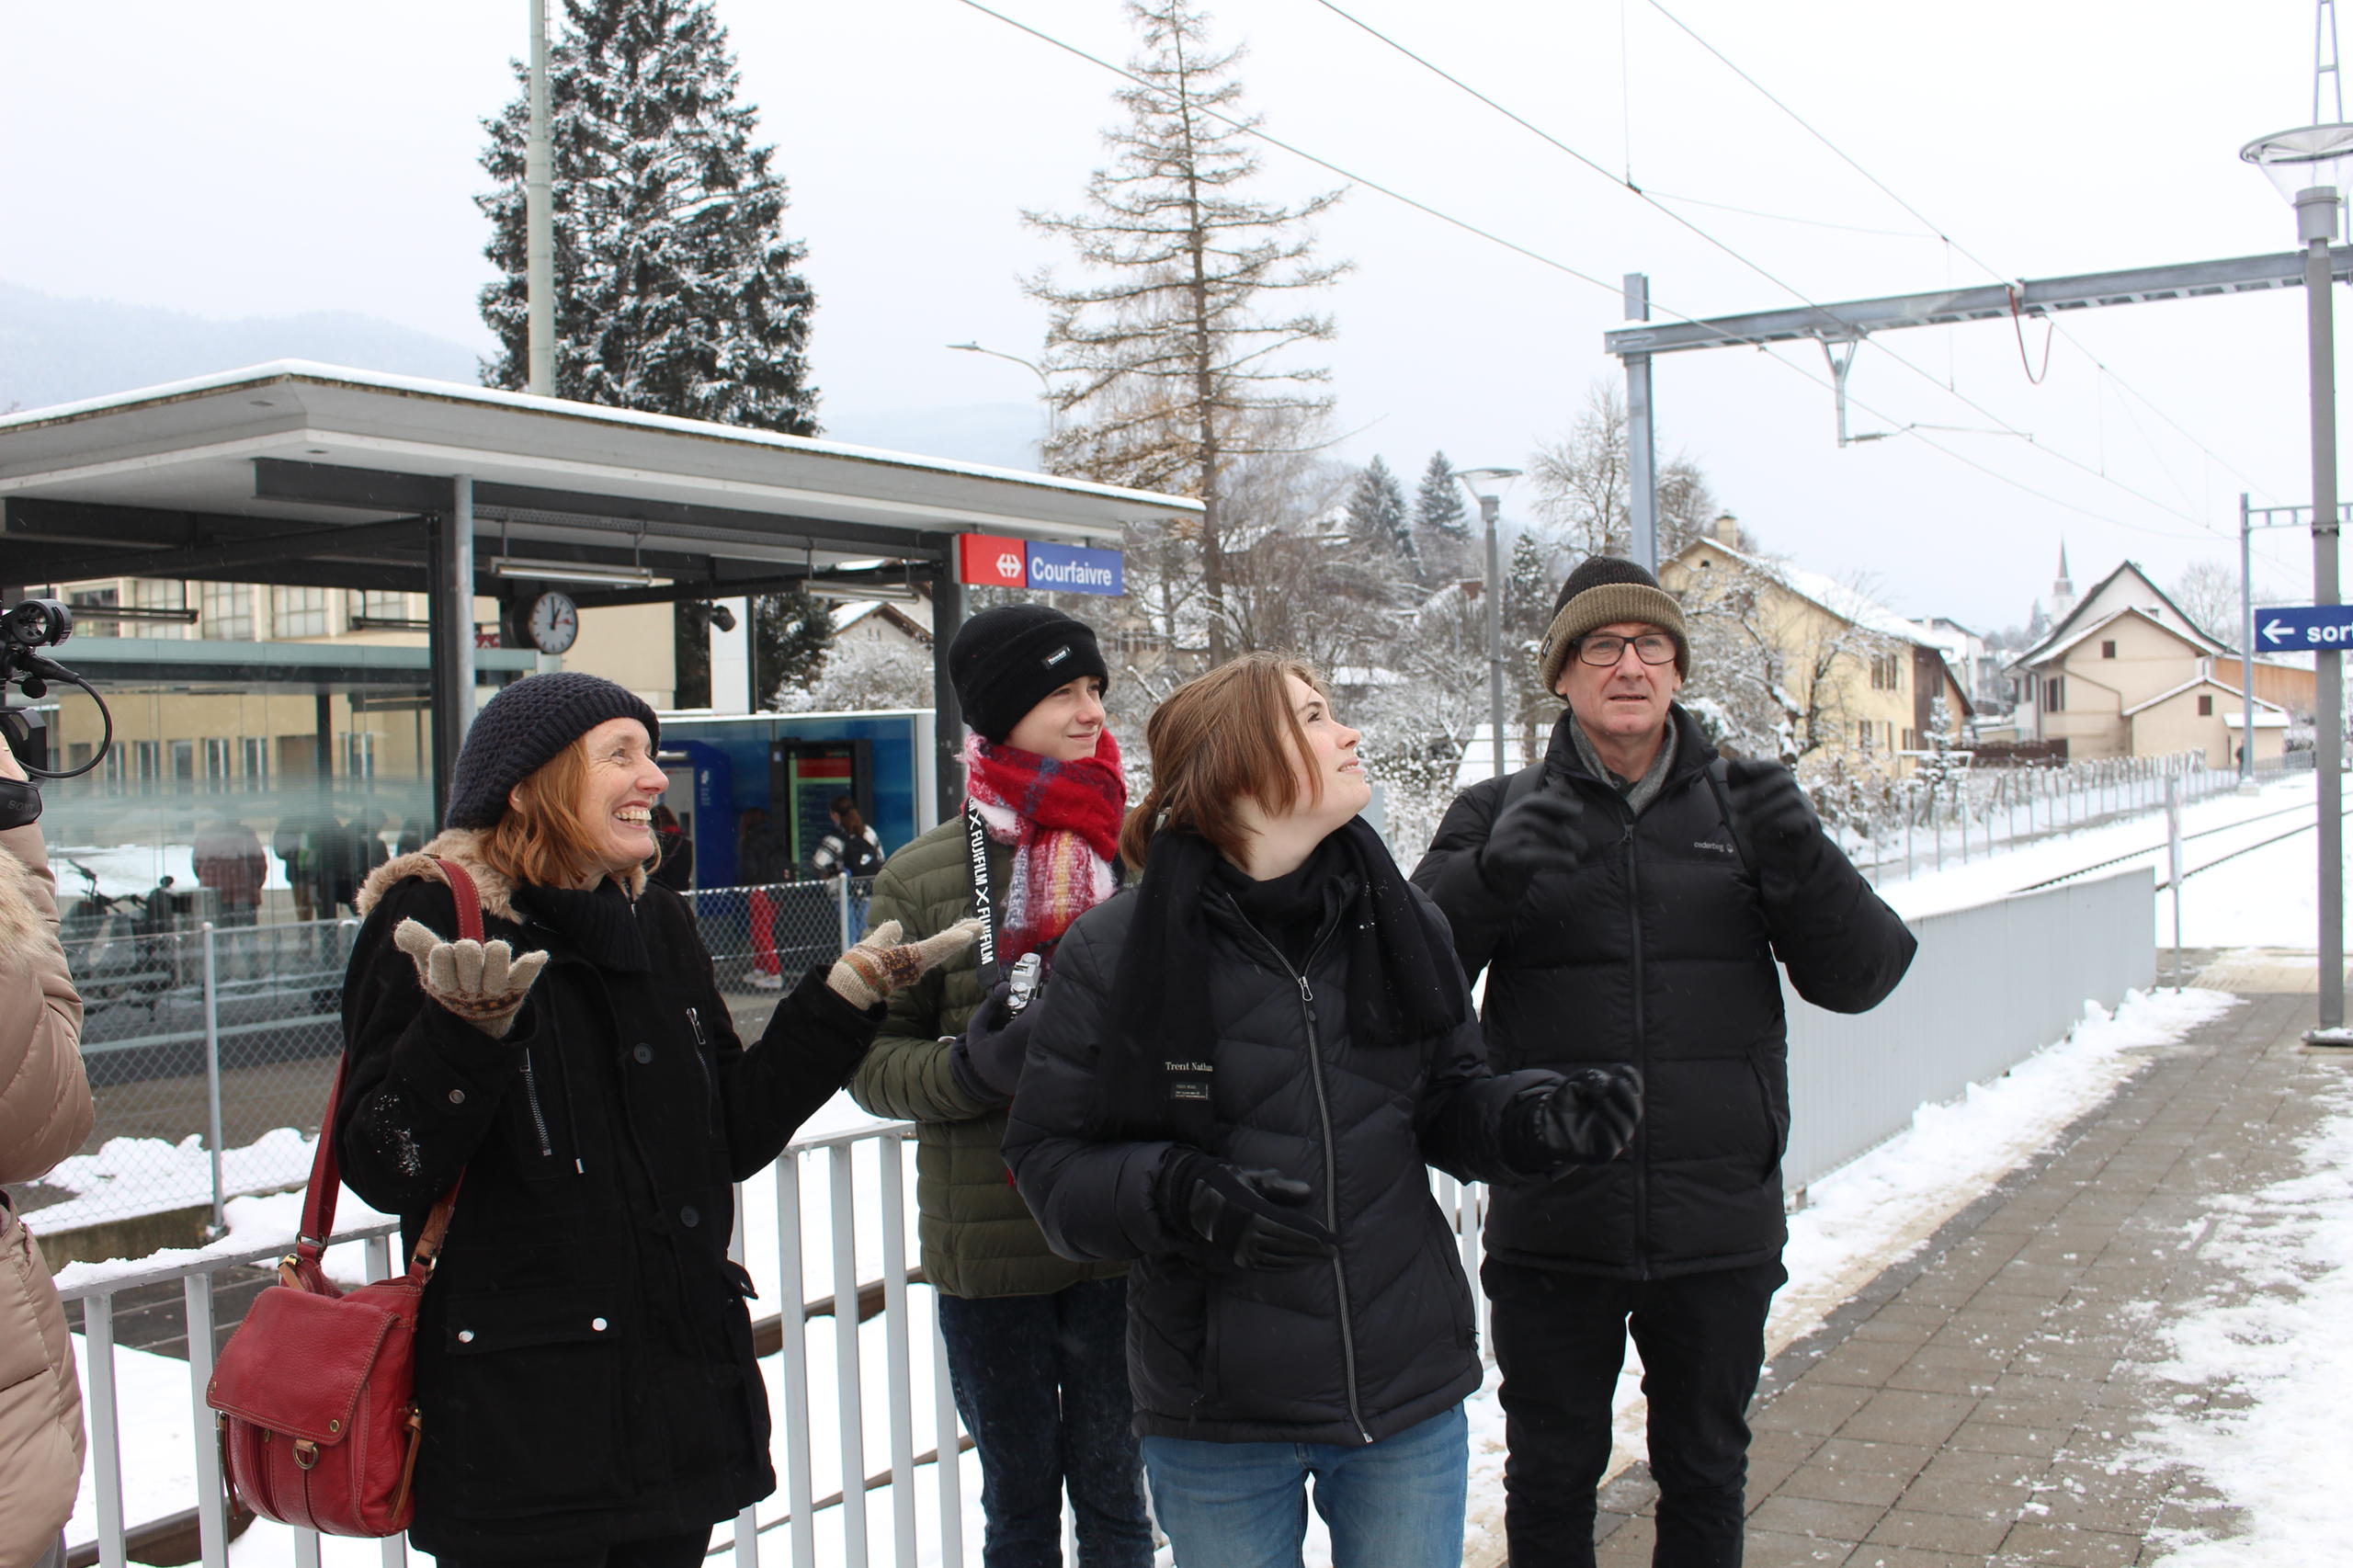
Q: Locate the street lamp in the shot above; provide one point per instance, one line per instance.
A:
(2309, 165)
(1481, 482)
(1052, 428)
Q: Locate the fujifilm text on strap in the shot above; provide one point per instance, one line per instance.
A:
(976, 841)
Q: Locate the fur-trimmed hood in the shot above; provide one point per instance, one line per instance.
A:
(463, 844)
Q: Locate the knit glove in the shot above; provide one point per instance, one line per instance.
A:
(882, 964)
(483, 982)
(1246, 1218)
(1587, 1117)
(1547, 828)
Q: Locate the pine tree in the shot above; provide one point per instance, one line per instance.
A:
(1527, 590)
(1441, 523)
(790, 636)
(676, 290)
(1172, 367)
(1377, 515)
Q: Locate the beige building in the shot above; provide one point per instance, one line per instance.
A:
(2204, 715)
(1856, 681)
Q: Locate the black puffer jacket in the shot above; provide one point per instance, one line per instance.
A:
(1348, 1352)
(584, 1356)
(1658, 949)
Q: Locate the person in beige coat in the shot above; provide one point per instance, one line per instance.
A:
(45, 1113)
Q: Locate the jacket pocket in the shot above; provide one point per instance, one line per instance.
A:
(526, 1413)
(1777, 1117)
(1440, 1252)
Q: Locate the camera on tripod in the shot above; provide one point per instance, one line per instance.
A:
(25, 675)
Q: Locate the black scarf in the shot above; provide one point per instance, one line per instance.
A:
(599, 923)
(1404, 984)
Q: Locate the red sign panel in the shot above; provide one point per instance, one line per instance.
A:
(987, 561)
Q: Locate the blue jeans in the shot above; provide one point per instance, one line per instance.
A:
(1041, 1382)
(1394, 1504)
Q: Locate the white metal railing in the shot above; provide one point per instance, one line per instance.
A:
(1991, 984)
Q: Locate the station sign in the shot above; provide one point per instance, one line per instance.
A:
(2304, 629)
(991, 561)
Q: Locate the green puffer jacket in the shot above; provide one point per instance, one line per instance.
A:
(978, 1237)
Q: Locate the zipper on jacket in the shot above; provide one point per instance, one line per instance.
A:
(539, 1118)
(694, 1021)
(1331, 1158)
(1641, 1056)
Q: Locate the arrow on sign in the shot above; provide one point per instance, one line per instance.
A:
(2306, 628)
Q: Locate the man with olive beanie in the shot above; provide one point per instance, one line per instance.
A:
(1036, 1343)
(1627, 896)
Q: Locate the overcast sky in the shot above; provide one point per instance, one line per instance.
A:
(258, 157)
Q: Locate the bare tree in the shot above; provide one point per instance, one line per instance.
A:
(2208, 592)
(1584, 485)
(1161, 367)
(1765, 679)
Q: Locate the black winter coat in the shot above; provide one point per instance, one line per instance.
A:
(1658, 949)
(1347, 1352)
(584, 1363)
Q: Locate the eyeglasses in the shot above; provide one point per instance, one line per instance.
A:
(1651, 647)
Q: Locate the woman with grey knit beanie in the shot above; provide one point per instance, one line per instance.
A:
(583, 1357)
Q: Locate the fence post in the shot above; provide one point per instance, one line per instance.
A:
(2173, 865)
(213, 1073)
(841, 899)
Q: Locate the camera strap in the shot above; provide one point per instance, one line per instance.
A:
(976, 850)
(19, 804)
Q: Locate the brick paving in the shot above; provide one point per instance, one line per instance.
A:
(1972, 1404)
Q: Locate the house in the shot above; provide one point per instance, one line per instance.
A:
(2124, 649)
(1848, 677)
(2203, 714)
(882, 622)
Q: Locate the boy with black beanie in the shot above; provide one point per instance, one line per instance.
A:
(1036, 1343)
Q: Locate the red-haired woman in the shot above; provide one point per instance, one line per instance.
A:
(585, 1364)
(1238, 1077)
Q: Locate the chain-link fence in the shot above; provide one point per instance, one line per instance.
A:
(211, 1047)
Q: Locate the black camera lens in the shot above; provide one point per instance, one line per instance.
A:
(36, 623)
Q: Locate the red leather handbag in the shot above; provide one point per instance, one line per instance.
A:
(314, 1394)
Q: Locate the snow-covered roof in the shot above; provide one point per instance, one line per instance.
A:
(2048, 651)
(1840, 599)
(195, 446)
(2067, 628)
(2267, 715)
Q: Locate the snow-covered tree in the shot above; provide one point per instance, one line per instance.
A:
(1584, 486)
(1171, 363)
(861, 676)
(792, 635)
(1441, 522)
(1377, 514)
(675, 289)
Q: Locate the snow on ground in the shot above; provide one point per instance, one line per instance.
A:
(2274, 1362)
(129, 1177)
(1879, 1209)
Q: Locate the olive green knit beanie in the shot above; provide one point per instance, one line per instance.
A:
(1603, 591)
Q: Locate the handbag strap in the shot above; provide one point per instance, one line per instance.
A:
(327, 1172)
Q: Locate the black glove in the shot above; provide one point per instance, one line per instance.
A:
(986, 1057)
(1771, 812)
(1249, 1219)
(1586, 1118)
(1547, 828)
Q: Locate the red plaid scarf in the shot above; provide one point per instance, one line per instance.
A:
(1064, 820)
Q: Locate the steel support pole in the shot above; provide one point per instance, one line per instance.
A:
(2315, 225)
(219, 1226)
(1642, 441)
(1489, 505)
(538, 221)
(2246, 638)
(453, 635)
(946, 617)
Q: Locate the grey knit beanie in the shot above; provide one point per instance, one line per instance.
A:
(521, 728)
(1603, 591)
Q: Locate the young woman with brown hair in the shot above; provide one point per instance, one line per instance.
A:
(1238, 1075)
(584, 1364)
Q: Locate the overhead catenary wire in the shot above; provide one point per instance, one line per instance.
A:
(1936, 229)
(1553, 263)
(2095, 471)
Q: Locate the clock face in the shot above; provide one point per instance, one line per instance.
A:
(555, 622)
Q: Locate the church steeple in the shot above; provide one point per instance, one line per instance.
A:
(2062, 589)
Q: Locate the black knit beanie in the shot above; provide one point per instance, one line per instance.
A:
(1003, 660)
(1603, 591)
(521, 728)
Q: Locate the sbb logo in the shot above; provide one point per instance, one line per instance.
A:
(991, 561)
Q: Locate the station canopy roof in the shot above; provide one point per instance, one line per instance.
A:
(304, 474)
